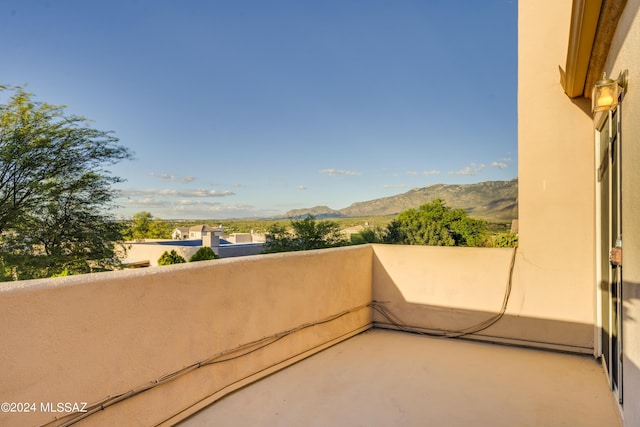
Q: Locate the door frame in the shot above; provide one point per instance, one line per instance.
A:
(609, 301)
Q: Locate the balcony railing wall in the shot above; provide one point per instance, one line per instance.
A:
(454, 291)
(187, 334)
(151, 346)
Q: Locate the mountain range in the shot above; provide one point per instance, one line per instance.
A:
(489, 200)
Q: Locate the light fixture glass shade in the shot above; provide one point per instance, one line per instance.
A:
(605, 95)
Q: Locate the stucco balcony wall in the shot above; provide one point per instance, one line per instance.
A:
(88, 338)
(455, 289)
(153, 346)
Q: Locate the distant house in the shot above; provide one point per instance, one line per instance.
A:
(186, 241)
(197, 231)
(180, 233)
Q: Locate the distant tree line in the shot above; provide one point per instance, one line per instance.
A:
(433, 224)
(304, 234)
(436, 224)
(144, 225)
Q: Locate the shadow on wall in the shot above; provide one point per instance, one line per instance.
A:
(631, 352)
(631, 385)
(463, 298)
(631, 407)
(631, 298)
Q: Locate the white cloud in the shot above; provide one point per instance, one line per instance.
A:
(499, 165)
(206, 193)
(144, 203)
(147, 201)
(185, 203)
(198, 208)
(334, 172)
(175, 193)
(465, 171)
(301, 187)
(169, 177)
(472, 169)
(203, 210)
(164, 176)
(431, 172)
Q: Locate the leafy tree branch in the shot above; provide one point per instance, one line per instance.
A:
(55, 190)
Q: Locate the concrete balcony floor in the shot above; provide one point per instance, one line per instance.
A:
(387, 378)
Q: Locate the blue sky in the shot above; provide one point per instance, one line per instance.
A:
(251, 108)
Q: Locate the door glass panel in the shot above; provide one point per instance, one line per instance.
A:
(610, 286)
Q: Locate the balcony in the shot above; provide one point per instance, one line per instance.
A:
(157, 346)
(384, 378)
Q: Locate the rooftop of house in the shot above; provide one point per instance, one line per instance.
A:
(204, 227)
(185, 242)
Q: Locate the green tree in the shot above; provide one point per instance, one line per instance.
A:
(203, 254)
(369, 235)
(436, 224)
(304, 234)
(168, 258)
(145, 226)
(504, 240)
(55, 191)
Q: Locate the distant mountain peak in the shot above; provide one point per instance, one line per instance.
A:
(319, 212)
(490, 200)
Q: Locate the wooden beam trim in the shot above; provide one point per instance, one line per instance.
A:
(584, 21)
(609, 16)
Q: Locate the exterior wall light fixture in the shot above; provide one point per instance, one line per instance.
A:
(606, 92)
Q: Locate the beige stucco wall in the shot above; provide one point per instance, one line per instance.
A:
(85, 338)
(240, 237)
(450, 278)
(435, 289)
(625, 54)
(555, 269)
(153, 252)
